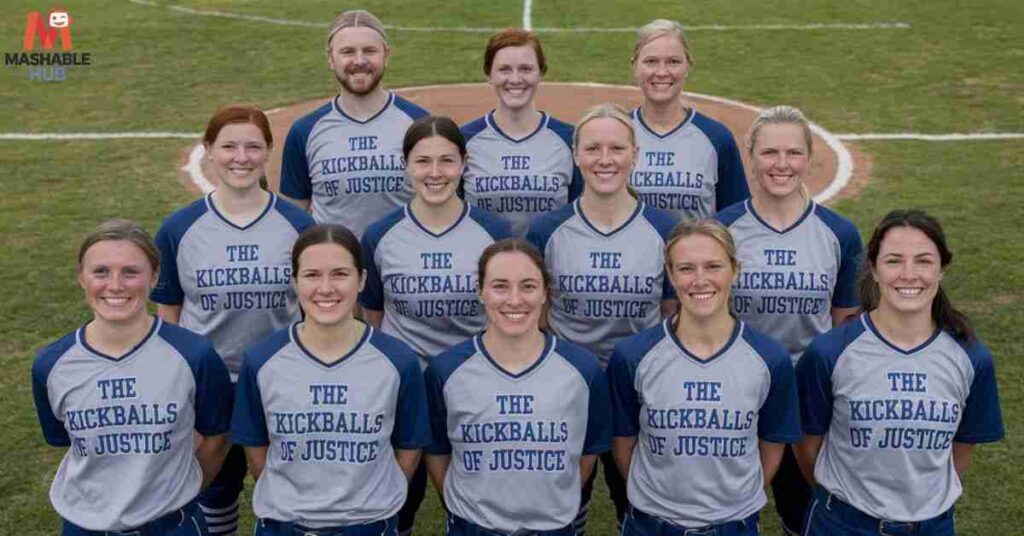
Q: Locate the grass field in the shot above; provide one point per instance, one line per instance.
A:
(957, 68)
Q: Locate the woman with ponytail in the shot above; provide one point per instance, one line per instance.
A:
(893, 402)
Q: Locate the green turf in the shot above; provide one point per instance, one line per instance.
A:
(957, 69)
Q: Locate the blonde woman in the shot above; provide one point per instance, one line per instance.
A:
(688, 162)
(703, 405)
(799, 276)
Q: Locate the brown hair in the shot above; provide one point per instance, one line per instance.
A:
(946, 316)
(356, 18)
(327, 233)
(520, 245)
(513, 37)
(429, 126)
(120, 229)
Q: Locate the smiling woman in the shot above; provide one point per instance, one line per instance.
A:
(701, 362)
(225, 258)
(690, 164)
(319, 469)
(550, 394)
(520, 159)
(883, 471)
(96, 387)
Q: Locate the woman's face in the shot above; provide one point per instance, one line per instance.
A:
(238, 155)
(435, 168)
(702, 275)
(908, 271)
(515, 75)
(605, 155)
(327, 283)
(513, 294)
(780, 159)
(660, 69)
(116, 277)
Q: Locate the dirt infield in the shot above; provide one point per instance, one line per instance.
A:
(566, 101)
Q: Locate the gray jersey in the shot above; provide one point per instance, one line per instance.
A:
(606, 285)
(791, 279)
(128, 424)
(889, 417)
(331, 430)
(425, 282)
(698, 422)
(516, 440)
(353, 171)
(519, 180)
(692, 171)
(233, 283)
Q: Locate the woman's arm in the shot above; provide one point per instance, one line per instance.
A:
(169, 313)
(587, 464)
(771, 458)
(669, 308)
(257, 458)
(437, 468)
(372, 317)
(302, 203)
(840, 314)
(622, 451)
(806, 452)
(962, 457)
(408, 460)
(211, 452)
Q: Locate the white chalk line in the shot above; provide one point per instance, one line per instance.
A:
(195, 170)
(527, 23)
(917, 136)
(50, 136)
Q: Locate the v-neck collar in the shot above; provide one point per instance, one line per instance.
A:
(866, 318)
(578, 207)
(549, 343)
(294, 334)
(213, 208)
(807, 212)
(669, 326)
(80, 336)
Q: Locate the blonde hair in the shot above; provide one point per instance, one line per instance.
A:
(599, 111)
(782, 115)
(660, 28)
(706, 227)
(779, 115)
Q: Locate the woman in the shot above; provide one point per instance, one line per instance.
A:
(799, 259)
(520, 159)
(605, 253)
(143, 406)
(703, 404)
(689, 164)
(515, 409)
(332, 412)
(420, 259)
(893, 403)
(226, 273)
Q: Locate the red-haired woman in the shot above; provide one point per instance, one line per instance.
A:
(520, 159)
(226, 272)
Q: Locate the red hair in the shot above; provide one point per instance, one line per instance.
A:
(237, 113)
(513, 37)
